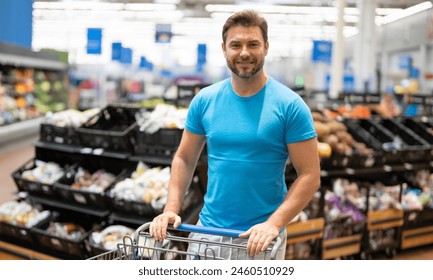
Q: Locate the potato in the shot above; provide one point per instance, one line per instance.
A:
(331, 139)
(324, 150)
(336, 126)
(318, 116)
(345, 137)
(322, 129)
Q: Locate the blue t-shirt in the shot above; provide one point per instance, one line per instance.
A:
(247, 141)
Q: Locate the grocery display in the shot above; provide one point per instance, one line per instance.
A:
(125, 187)
(107, 128)
(108, 186)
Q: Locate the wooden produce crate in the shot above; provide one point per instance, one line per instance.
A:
(305, 231)
(416, 237)
(341, 247)
(385, 219)
(303, 239)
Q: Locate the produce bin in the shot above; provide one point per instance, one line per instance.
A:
(162, 143)
(57, 134)
(417, 228)
(107, 237)
(310, 231)
(341, 247)
(377, 137)
(19, 231)
(113, 129)
(50, 238)
(386, 224)
(142, 208)
(416, 148)
(33, 186)
(94, 199)
(419, 128)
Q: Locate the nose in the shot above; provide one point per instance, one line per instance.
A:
(244, 52)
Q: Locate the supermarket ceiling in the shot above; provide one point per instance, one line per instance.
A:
(293, 24)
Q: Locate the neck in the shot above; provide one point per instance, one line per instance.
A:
(250, 86)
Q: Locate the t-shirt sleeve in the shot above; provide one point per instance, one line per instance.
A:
(299, 122)
(194, 122)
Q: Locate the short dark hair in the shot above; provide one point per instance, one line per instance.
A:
(246, 18)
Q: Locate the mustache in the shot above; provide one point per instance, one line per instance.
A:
(244, 60)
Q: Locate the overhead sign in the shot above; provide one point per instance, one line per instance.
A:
(201, 57)
(405, 62)
(145, 64)
(322, 51)
(94, 40)
(126, 56)
(116, 51)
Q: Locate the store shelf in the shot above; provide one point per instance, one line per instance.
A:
(23, 57)
(24, 252)
(69, 206)
(11, 133)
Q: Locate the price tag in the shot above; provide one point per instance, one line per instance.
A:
(408, 166)
(350, 171)
(387, 168)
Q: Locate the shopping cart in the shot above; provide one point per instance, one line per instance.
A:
(214, 244)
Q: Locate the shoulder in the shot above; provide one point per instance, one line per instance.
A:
(211, 91)
(282, 92)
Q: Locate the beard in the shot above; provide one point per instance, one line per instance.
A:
(245, 74)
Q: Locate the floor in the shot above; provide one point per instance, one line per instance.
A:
(12, 159)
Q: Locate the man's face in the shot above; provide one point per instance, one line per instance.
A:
(245, 51)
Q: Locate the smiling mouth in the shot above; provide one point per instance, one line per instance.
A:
(244, 62)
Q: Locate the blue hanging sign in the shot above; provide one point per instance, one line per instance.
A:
(126, 56)
(116, 51)
(405, 62)
(322, 51)
(94, 40)
(201, 53)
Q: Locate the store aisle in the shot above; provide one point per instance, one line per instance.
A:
(10, 161)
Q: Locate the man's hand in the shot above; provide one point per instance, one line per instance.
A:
(158, 227)
(260, 236)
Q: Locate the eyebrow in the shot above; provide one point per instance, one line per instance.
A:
(250, 41)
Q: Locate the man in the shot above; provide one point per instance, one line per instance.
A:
(251, 124)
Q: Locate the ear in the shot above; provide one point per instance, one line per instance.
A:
(223, 47)
(266, 47)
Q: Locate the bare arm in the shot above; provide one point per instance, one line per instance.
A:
(305, 160)
(182, 171)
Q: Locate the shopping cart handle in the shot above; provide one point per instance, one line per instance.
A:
(209, 230)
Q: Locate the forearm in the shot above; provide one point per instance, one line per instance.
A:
(298, 196)
(182, 172)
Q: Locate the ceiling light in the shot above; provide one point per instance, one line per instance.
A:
(406, 12)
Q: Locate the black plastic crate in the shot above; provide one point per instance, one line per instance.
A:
(141, 208)
(60, 245)
(35, 187)
(420, 218)
(416, 149)
(19, 234)
(421, 129)
(361, 135)
(95, 249)
(57, 134)
(381, 139)
(81, 196)
(113, 129)
(162, 143)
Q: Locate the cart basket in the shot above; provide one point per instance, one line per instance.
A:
(229, 246)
